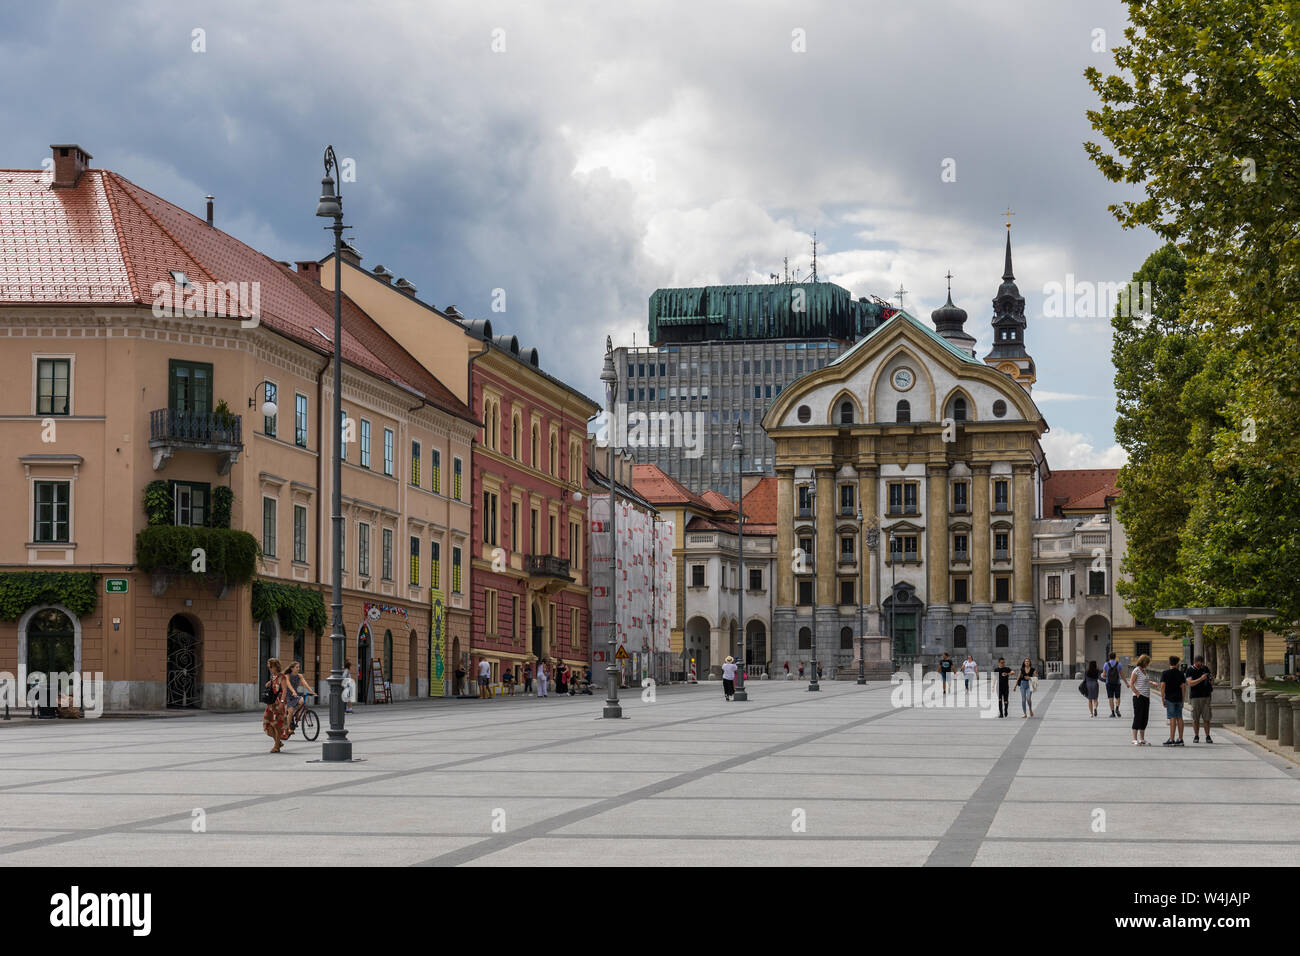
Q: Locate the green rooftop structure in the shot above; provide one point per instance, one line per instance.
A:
(782, 310)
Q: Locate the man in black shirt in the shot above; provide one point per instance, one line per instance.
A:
(1004, 686)
(945, 670)
(1171, 691)
(1199, 688)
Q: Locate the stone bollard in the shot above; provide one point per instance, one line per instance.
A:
(1240, 703)
(1251, 705)
(1295, 723)
(1270, 725)
(1284, 727)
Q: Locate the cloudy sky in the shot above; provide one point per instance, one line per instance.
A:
(579, 155)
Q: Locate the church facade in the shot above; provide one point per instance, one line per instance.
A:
(908, 474)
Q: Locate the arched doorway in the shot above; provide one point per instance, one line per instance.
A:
(388, 656)
(756, 644)
(413, 666)
(268, 645)
(539, 631)
(51, 650)
(1096, 639)
(184, 663)
(903, 614)
(697, 646)
(365, 651)
(1053, 650)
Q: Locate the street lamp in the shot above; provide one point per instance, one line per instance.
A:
(738, 447)
(893, 587)
(612, 710)
(813, 685)
(337, 747)
(269, 407)
(869, 538)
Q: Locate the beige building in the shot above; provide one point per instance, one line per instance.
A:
(146, 342)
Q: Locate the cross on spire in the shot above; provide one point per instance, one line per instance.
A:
(899, 294)
(1008, 213)
(949, 278)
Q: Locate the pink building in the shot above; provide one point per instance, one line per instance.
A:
(530, 581)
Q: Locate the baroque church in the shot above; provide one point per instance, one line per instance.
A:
(908, 472)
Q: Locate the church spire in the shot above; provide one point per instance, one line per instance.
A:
(1007, 274)
(1008, 353)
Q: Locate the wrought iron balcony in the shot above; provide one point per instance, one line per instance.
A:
(548, 565)
(170, 429)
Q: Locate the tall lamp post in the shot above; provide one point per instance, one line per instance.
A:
(893, 587)
(738, 447)
(337, 747)
(869, 537)
(613, 710)
(813, 685)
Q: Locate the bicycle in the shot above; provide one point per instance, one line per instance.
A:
(304, 719)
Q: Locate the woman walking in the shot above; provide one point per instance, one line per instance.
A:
(542, 677)
(275, 719)
(562, 679)
(349, 686)
(1025, 681)
(729, 678)
(1092, 686)
(528, 678)
(1140, 684)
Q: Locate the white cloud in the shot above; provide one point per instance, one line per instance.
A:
(1041, 396)
(1066, 449)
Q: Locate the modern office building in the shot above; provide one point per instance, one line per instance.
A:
(722, 353)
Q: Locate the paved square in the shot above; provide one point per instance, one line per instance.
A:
(689, 780)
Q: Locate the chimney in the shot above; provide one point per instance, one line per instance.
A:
(379, 272)
(405, 286)
(309, 270)
(351, 255)
(70, 161)
(209, 199)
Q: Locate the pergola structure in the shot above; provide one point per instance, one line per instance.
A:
(1199, 617)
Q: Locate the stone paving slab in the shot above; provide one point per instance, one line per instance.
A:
(689, 779)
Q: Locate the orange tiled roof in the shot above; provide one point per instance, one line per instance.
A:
(659, 488)
(108, 241)
(1079, 488)
(760, 503)
(718, 501)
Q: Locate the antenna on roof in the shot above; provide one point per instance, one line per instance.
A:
(814, 262)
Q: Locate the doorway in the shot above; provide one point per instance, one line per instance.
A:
(51, 651)
(363, 665)
(184, 664)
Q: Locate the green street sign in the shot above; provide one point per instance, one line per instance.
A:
(115, 585)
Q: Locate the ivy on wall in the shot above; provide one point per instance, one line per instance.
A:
(159, 507)
(232, 555)
(297, 608)
(78, 591)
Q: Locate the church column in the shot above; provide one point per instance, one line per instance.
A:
(826, 549)
(979, 533)
(1022, 508)
(784, 537)
(936, 529)
(869, 586)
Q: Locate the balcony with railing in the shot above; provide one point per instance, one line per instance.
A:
(554, 569)
(172, 430)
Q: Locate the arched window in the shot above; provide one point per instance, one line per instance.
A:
(514, 436)
(1001, 638)
(805, 639)
(959, 636)
(846, 638)
(534, 458)
(553, 465)
(846, 412)
(959, 409)
(903, 411)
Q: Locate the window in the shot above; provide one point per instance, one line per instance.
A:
(490, 610)
(1096, 582)
(552, 462)
(388, 451)
(551, 546)
(804, 414)
(455, 478)
(535, 449)
(575, 619)
(846, 413)
(805, 637)
(959, 409)
(1001, 546)
(415, 562)
(191, 503)
(387, 558)
(455, 570)
(1071, 587)
(435, 564)
(805, 501)
(575, 544)
(1002, 588)
(52, 508)
(846, 499)
(959, 636)
(960, 591)
(268, 526)
(300, 534)
(534, 546)
(1001, 636)
(1053, 587)
(903, 411)
(53, 386)
(515, 536)
(1140, 648)
(189, 387)
(365, 443)
(846, 638)
(415, 463)
(960, 497)
(271, 393)
(902, 498)
(516, 625)
(846, 549)
(343, 447)
(1000, 496)
(300, 420)
(363, 549)
(755, 579)
(999, 408)
(514, 436)
(806, 546)
(436, 464)
(805, 597)
(489, 518)
(846, 592)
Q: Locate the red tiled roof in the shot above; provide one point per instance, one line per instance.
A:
(1079, 488)
(760, 503)
(730, 527)
(108, 241)
(718, 501)
(659, 488)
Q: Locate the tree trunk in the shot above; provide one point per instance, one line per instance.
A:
(1212, 658)
(1255, 656)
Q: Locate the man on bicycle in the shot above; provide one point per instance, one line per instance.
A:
(298, 692)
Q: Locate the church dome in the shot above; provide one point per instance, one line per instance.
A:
(948, 317)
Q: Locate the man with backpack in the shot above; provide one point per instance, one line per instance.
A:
(1110, 671)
